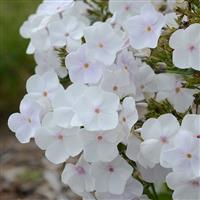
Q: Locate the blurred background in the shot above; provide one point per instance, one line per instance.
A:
(24, 171)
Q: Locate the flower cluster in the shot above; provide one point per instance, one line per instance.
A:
(91, 91)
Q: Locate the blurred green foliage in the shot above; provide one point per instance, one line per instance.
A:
(15, 65)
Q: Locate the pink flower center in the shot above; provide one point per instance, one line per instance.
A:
(45, 94)
(97, 110)
(164, 140)
(198, 136)
(99, 137)
(195, 183)
(101, 45)
(115, 88)
(127, 8)
(80, 170)
(111, 169)
(60, 136)
(192, 48)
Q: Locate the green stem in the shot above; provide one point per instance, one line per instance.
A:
(154, 191)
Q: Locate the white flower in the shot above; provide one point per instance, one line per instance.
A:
(47, 61)
(63, 30)
(43, 87)
(186, 45)
(181, 98)
(64, 104)
(191, 123)
(133, 152)
(185, 185)
(33, 22)
(26, 123)
(125, 60)
(100, 145)
(126, 8)
(133, 191)
(59, 143)
(40, 39)
(170, 19)
(184, 155)
(51, 7)
(118, 82)
(147, 28)
(144, 81)
(103, 45)
(78, 177)
(82, 67)
(128, 116)
(156, 175)
(97, 109)
(111, 176)
(157, 136)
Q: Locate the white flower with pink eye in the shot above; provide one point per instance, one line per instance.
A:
(157, 136)
(64, 104)
(126, 8)
(181, 98)
(103, 47)
(183, 156)
(43, 88)
(191, 123)
(143, 78)
(58, 143)
(133, 191)
(82, 67)
(128, 115)
(111, 176)
(100, 145)
(97, 109)
(27, 122)
(51, 7)
(78, 176)
(118, 82)
(63, 31)
(186, 45)
(125, 60)
(47, 61)
(144, 30)
(185, 185)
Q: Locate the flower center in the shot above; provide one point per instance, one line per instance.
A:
(45, 94)
(189, 155)
(195, 183)
(192, 48)
(198, 136)
(29, 120)
(111, 169)
(60, 136)
(80, 170)
(101, 45)
(127, 8)
(149, 29)
(86, 65)
(99, 137)
(124, 119)
(164, 140)
(66, 34)
(97, 110)
(115, 88)
(178, 89)
(126, 67)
